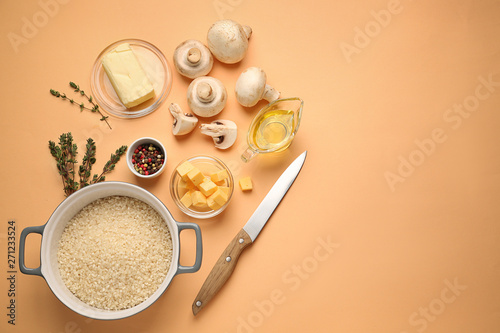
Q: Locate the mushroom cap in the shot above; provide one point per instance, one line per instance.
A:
(206, 96)
(228, 41)
(193, 59)
(223, 132)
(250, 86)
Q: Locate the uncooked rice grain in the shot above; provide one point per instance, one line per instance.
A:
(115, 253)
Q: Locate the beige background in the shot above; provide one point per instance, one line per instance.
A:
(401, 182)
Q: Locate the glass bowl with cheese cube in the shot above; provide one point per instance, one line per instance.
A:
(202, 186)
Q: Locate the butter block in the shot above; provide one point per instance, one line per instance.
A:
(127, 76)
(195, 176)
(198, 199)
(186, 200)
(246, 184)
(184, 169)
(219, 197)
(219, 175)
(207, 187)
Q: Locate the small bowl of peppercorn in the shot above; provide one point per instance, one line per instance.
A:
(146, 157)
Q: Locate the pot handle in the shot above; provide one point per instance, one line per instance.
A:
(199, 249)
(22, 244)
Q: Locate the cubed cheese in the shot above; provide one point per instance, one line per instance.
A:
(202, 188)
(186, 200)
(219, 175)
(207, 187)
(183, 169)
(213, 204)
(198, 199)
(195, 176)
(128, 78)
(246, 183)
(186, 185)
(224, 189)
(219, 197)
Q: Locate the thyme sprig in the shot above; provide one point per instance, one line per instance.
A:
(110, 165)
(94, 108)
(65, 153)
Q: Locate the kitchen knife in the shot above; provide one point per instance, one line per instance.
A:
(246, 236)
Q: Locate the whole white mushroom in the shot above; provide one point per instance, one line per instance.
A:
(251, 87)
(228, 41)
(192, 59)
(206, 96)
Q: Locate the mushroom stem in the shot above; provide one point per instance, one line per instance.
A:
(205, 92)
(270, 94)
(248, 31)
(194, 55)
(215, 130)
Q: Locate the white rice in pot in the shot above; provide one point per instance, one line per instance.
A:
(115, 253)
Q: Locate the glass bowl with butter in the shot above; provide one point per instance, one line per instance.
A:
(202, 186)
(131, 78)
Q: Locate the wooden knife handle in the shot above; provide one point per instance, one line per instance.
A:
(221, 270)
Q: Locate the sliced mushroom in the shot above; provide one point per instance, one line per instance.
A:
(183, 122)
(206, 96)
(228, 41)
(223, 132)
(192, 59)
(251, 87)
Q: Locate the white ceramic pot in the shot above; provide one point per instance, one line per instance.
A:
(51, 233)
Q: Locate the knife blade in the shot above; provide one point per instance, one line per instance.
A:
(226, 263)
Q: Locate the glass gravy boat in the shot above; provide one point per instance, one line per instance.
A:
(274, 127)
